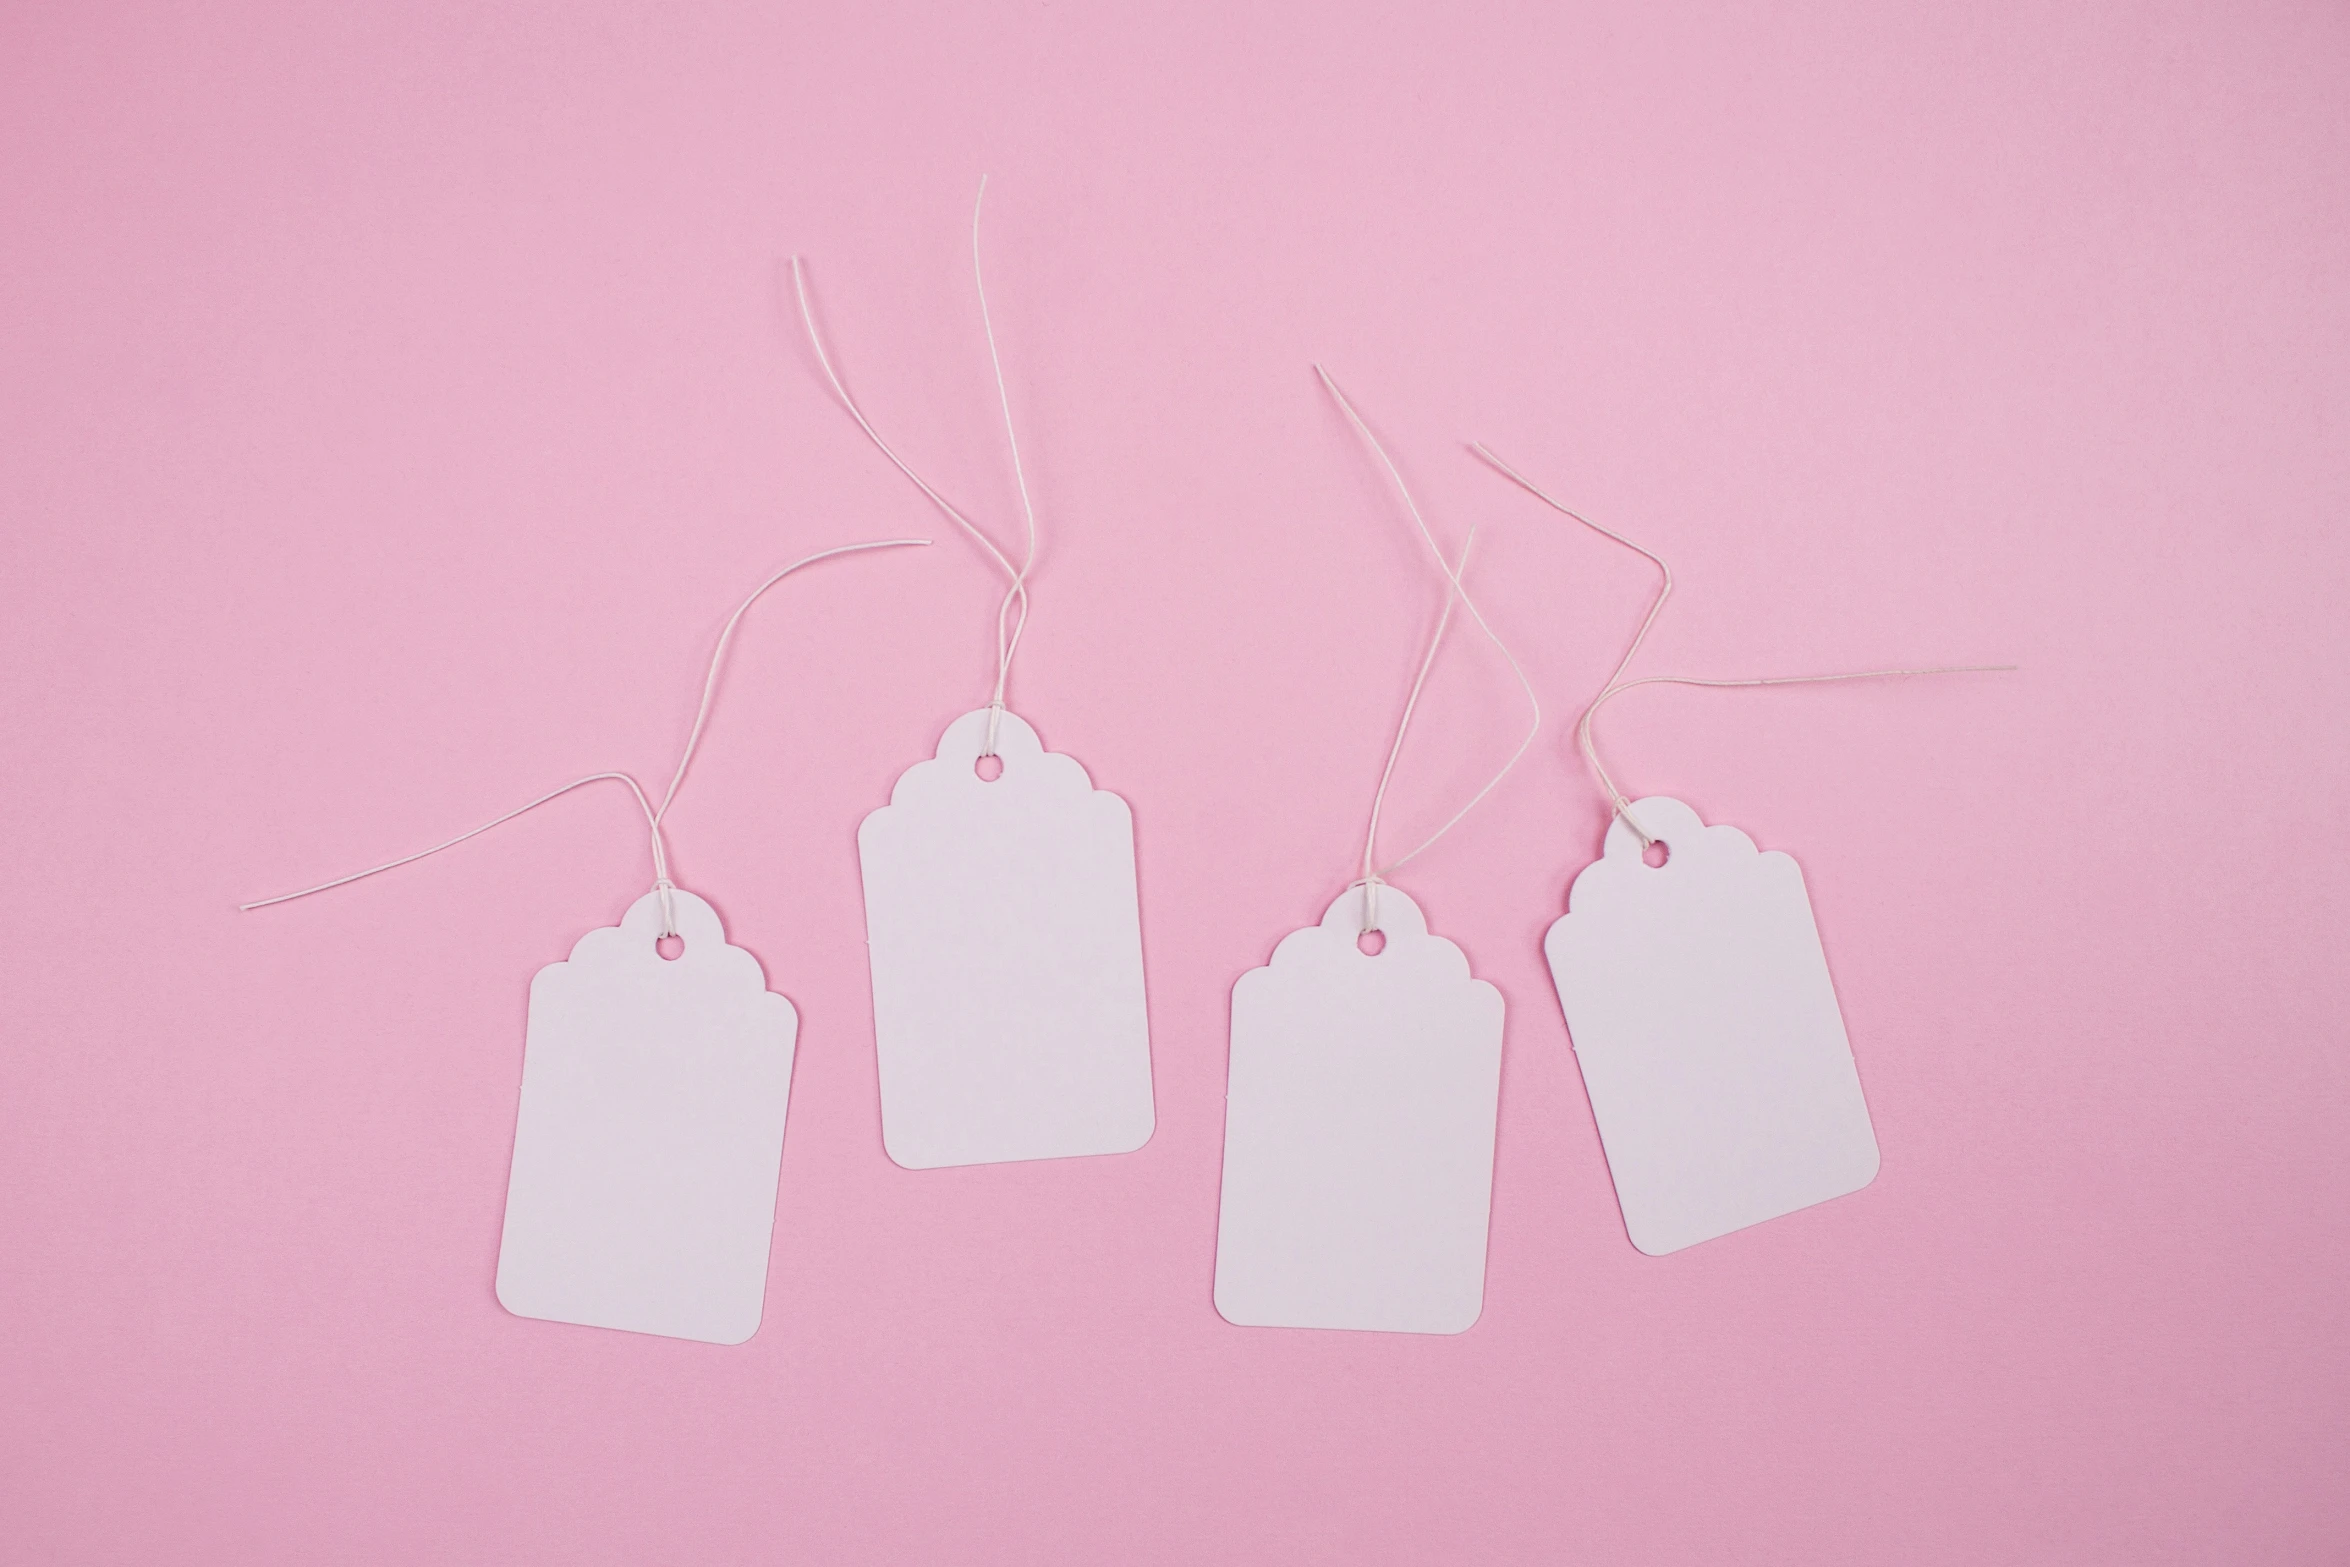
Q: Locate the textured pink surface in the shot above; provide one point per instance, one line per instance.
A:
(396, 399)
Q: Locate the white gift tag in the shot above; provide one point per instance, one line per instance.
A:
(650, 1132)
(1706, 1026)
(1358, 1131)
(1006, 944)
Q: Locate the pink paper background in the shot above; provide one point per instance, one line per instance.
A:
(395, 399)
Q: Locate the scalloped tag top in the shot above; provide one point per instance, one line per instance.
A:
(1006, 945)
(1698, 997)
(1358, 1130)
(650, 1133)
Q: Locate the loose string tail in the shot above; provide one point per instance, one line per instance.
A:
(652, 822)
(654, 815)
(1373, 878)
(1616, 685)
(1456, 591)
(1011, 617)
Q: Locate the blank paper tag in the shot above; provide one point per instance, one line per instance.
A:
(1006, 944)
(1707, 1029)
(650, 1132)
(1358, 1131)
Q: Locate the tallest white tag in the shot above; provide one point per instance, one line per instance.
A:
(1006, 944)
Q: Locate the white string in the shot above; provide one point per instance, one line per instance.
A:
(1616, 685)
(1623, 806)
(1008, 629)
(1372, 876)
(653, 816)
(660, 857)
(718, 653)
(1373, 872)
(1663, 592)
(995, 712)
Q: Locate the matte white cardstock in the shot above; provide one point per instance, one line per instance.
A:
(1358, 1131)
(1005, 937)
(650, 1133)
(1698, 998)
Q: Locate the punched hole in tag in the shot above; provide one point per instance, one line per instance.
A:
(989, 768)
(1371, 943)
(1655, 855)
(670, 947)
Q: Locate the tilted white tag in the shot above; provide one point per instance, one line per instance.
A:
(1699, 1001)
(1358, 1131)
(1006, 944)
(651, 1129)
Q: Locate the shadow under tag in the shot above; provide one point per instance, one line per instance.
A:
(1358, 1132)
(1698, 997)
(1006, 945)
(650, 1133)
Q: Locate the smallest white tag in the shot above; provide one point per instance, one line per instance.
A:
(1358, 1130)
(1703, 1018)
(650, 1133)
